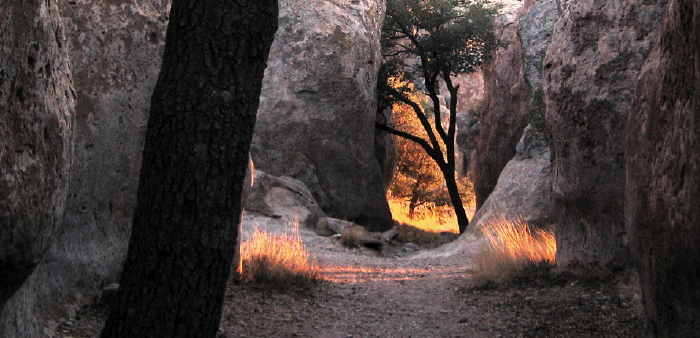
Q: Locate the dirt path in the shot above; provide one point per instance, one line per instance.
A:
(422, 294)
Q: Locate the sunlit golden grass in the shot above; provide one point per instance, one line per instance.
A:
(436, 220)
(510, 246)
(276, 259)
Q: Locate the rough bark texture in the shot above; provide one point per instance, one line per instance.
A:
(318, 106)
(506, 113)
(663, 176)
(195, 158)
(36, 137)
(115, 51)
(591, 71)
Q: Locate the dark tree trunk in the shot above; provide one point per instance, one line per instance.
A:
(189, 199)
(456, 199)
(432, 147)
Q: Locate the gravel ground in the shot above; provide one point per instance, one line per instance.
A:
(425, 294)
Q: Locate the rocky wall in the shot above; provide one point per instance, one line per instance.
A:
(36, 136)
(506, 112)
(590, 73)
(115, 50)
(663, 176)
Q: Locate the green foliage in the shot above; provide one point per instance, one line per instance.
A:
(450, 37)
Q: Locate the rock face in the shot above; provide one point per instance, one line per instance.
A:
(663, 176)
(115, 49)
(386, 151)
(318, 106)
(506, 113)
(512, 82)
(468, 128)
(590, 72)
(523, 187)
(36, 136)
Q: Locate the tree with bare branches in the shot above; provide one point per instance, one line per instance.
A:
(428, 42)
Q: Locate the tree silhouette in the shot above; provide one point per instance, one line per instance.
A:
(429, 42)
(189, 198)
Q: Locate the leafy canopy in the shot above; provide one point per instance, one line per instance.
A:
(450, 37)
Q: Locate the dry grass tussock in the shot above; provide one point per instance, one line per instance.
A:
(511, 247)
(277, 260)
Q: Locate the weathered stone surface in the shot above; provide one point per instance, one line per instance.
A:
(468, 129)
(523, 187)
(385, 150)
(115, 50)
(36, 136)
(506, 113)
(535, 31)
(286, 198)
(663, 176)
(591, 71)
(318, 106)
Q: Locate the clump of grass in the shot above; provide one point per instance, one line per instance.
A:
(511, 249)
(277, 260)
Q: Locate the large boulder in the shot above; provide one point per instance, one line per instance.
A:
(506, 113)
(318, 106)
(286, 198)
(522, 191)
(115, 51)
(663, 176)
(36, 136)
(590, 71)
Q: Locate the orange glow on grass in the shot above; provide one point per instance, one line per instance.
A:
(510, 245)
(436, 220)
(276, 257)
(517, 241)
(357, 274)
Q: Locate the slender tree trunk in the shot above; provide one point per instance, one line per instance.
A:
(456, 199)
(449, 172)
(413, 203)
(189, 200)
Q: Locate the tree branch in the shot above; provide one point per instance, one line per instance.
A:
(421, 117)
(421, 142)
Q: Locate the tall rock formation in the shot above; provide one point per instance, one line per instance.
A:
(317, 109)
(36, 136)
(663, 176)
(513, 82)
(115, 51)
(591, 70)
(506, 114)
